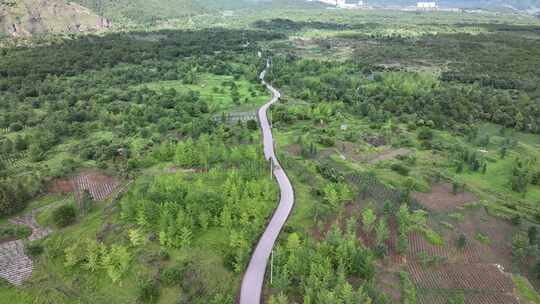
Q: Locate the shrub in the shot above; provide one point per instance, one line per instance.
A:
(172, 276)
(148, 292)
(16, 231)
(327, 141)
(252, 125)
(33, 249)
(461, 242)
(64, 215)
(425, 134)
(536, 179)
(401, 169)
(15, 127)
(482, 238)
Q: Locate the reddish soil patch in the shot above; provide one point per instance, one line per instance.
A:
(499, 232)
(100, 186)
(62, 187)
(350, 151)
(485, 277)
(473, 252)
(389, 154)
(375, 141)
(441, 198)
(294, 149)
(388, 282)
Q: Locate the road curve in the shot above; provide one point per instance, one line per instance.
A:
(252, 283)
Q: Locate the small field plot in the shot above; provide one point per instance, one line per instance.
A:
(484, 277)
(442, 198)
(217, 91)
(98, 185)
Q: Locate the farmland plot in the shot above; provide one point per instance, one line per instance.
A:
(473, 252)
(485, 277)
(99, 186)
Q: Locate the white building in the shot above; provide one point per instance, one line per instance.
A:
(426, 5)
(344, 3)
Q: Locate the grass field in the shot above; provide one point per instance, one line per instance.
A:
(214, 89)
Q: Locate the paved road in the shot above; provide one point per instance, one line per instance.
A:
(252, 282)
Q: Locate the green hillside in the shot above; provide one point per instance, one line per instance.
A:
(151, 11)
(142, 11)
(28, 17)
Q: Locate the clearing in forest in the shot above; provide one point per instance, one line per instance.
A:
(98, 185)
(442, 198)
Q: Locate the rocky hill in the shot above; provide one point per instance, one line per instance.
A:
(20, 18)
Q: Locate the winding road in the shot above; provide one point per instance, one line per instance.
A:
(252, 283)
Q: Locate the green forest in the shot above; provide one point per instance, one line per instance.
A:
(132, 168)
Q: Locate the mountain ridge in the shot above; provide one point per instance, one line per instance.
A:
(23, 18)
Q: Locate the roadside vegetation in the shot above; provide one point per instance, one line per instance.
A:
(413, 151)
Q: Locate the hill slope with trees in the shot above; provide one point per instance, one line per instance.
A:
(27, 17)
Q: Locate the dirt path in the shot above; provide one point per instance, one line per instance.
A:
(15, 266)
(253, 280)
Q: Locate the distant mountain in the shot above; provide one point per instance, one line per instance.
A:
(515, 4)
(142, 11)
(28, 17)
(149, 11)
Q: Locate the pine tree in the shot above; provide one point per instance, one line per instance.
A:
(368, 219)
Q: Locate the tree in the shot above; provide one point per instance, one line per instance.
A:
(136, 237)
(148, 292)
(15, 127)
(368, 219)
(461, 241)
(408, 291)
(381, 232)
(532, 233)
(36, 153)
(458, 298)
(331, 196)
(425, 134)
(293, 242)
(520, 244)
(85, 201)
(116, 262)
(64, 215)
(20, 143)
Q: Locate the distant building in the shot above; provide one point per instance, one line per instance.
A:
(344, 3)
(426, 5)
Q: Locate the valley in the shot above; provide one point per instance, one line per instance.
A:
(269, 153)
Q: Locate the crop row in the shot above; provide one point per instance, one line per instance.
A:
(485, 277)
(418, 245)
(99, 188)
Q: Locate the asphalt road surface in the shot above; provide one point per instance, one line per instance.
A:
(253, 280)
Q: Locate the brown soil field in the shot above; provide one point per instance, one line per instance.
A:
(484, 277)
(473, 252)
(294, 149)
(62, 187)
(98, 185)
(441, 198)
(389, 154)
